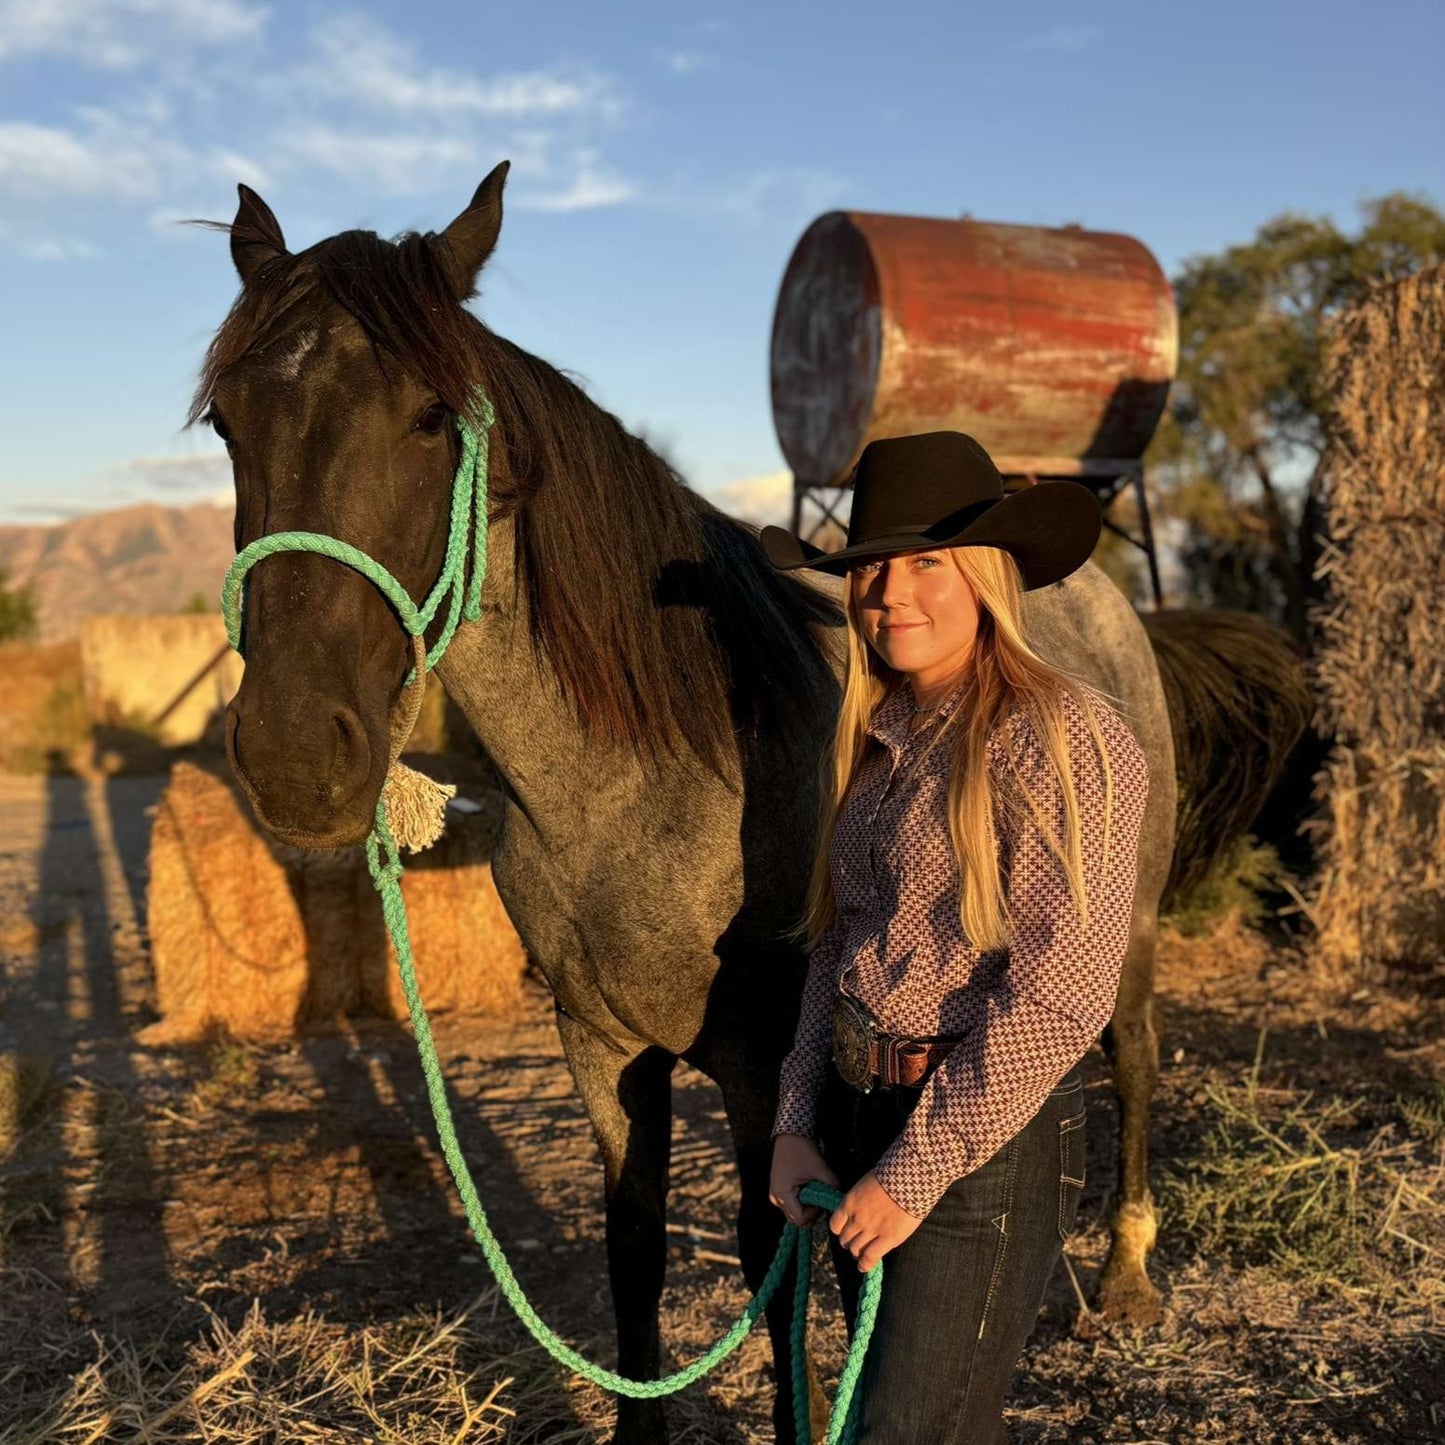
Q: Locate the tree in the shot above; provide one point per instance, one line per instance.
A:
(1237, 458)
(19, 621)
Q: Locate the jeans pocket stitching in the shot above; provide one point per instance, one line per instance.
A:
(1068, 1129)
(1001, 1247)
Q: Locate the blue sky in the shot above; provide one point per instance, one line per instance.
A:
(665, 159)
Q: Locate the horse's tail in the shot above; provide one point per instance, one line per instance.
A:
(1239, 699)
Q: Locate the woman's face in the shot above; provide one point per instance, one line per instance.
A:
(918, 612)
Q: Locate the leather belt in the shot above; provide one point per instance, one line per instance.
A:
(866, 1057)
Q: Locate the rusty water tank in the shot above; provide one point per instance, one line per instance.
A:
(1054, 347)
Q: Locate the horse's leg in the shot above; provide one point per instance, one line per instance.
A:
(1132, 1043)
(628, 1097)
(750, 1109)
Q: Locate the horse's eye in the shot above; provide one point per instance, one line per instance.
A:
(217, 423)
(433, 419)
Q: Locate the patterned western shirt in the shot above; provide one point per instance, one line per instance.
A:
(1026, 1014)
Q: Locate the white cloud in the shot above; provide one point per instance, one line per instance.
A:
(206, 473)
(172, 480)
(591, 186)
(397, 163)
(233, 166)
(364, 63)
(761, 499)
(362, 106)
(117, 34)
(681, 62)
(786, 197)
(106, 156)
(130, 154)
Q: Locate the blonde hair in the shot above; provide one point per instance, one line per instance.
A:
(1005, 674)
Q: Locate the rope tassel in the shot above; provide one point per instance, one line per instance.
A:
(416, 807)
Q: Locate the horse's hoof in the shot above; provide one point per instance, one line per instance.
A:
(1127, 1297)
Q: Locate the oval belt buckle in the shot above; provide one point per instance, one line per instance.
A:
(852, 1031)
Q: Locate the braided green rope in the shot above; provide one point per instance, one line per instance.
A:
(468, 513)
(469, 504)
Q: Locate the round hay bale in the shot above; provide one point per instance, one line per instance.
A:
(228, 946)
(262, 940)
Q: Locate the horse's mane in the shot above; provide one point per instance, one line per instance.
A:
(659, 615)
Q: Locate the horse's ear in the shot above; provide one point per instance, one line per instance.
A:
(470, 238)
(255, 234)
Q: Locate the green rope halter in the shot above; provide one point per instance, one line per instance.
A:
(469, 506)
(469, 514)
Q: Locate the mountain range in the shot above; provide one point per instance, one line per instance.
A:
(145, 558)
(156, 558)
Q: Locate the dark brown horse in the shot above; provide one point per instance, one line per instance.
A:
(654, 696)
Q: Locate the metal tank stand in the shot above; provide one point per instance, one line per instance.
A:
(1106, 478)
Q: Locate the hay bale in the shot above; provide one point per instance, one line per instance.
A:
(1380, 894)
(263, 941)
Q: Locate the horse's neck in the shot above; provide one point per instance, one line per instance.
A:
(513, 704)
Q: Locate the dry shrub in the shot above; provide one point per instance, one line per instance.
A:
(1380, 893)
(259, 940)
(1301, 1187)
(231, 1072)
(26, 1082)
(307, 1381)
(42, 707)
(1426, 1115)
(1230, 890)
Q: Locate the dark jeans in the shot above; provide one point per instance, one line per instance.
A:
(962, 1292)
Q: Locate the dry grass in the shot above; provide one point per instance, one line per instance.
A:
(305, 1381)
(1380, 893)
(1297, 1184)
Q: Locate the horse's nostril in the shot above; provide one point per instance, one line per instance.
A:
(233, 736)
(351, 756)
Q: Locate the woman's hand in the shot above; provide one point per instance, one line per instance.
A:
(796, 1161)
(868, 1223)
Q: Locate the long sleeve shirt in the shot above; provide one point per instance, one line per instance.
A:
(1026, 1014)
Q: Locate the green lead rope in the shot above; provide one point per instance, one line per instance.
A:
(383, 859)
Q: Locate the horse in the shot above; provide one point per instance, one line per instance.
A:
(655, 698)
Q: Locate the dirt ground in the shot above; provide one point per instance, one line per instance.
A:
(169, 1219)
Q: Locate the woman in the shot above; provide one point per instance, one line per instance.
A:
(969, 914)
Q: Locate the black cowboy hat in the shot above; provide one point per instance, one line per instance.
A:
(941, 489)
